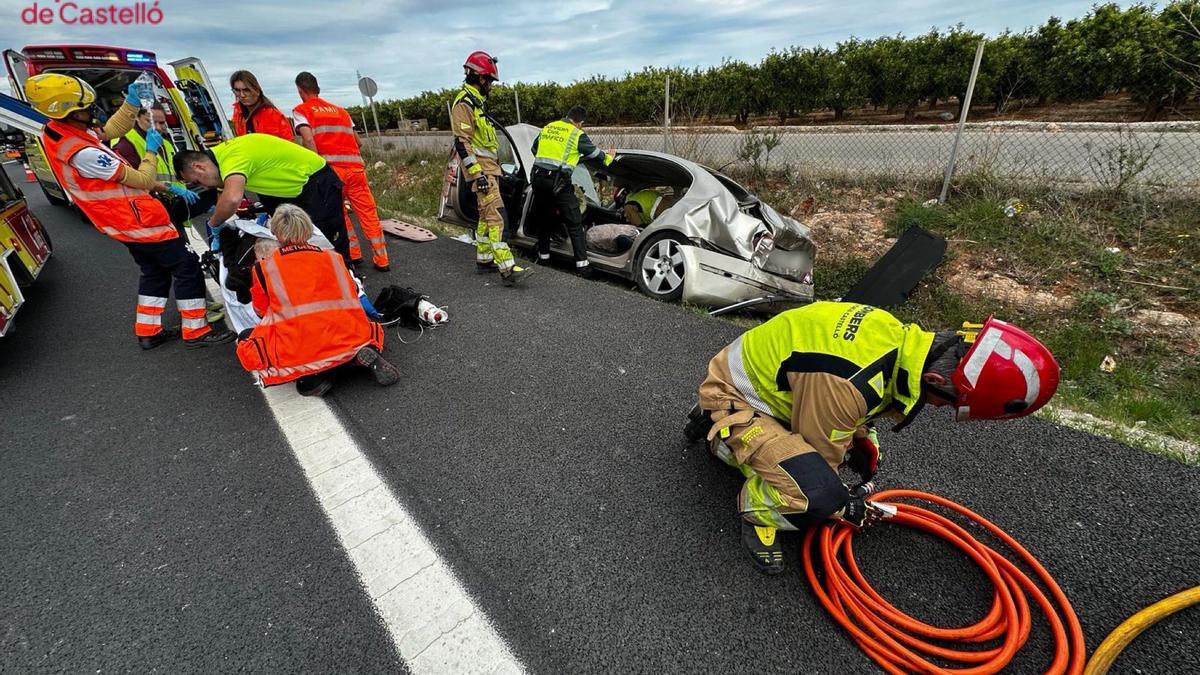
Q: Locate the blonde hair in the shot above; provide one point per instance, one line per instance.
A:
(263, 248)
(291, 225)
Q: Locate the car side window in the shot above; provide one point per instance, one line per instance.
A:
(582, 177)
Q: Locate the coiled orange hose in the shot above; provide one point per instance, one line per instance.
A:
(897, 641)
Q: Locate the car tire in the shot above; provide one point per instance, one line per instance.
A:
(658, 267)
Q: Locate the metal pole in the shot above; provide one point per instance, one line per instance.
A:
(667, 116)
(363, 114)
(449, 121)
(962, 121)
(517, 100)
(376, 116)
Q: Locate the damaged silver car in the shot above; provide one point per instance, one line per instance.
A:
(707, 240)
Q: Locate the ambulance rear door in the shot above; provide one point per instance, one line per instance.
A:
(197, 89)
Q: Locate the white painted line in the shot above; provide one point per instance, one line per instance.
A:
(434, 623)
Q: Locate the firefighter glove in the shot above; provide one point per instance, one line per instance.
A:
(863, 457)
(482, 184)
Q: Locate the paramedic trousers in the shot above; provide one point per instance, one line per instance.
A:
(553, 191)
(164, 264)
(357, 191)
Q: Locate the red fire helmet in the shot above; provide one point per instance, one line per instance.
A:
(482, 63)
(1006, 374)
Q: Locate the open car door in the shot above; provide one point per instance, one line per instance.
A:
(207, 114)
(458, 204)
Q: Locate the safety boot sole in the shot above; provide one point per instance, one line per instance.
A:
(384, 372)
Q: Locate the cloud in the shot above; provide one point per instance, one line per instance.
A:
(409, 46)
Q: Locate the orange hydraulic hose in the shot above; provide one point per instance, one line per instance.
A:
(898, 642)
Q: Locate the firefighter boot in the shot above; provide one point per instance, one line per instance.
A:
(763, 546)
(516, 276)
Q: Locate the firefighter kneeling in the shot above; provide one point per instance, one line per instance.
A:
(312, 318)
(791, 401)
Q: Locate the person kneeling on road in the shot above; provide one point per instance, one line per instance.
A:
(312, 318)
(793, 400)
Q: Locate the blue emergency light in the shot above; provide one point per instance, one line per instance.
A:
(138, 58)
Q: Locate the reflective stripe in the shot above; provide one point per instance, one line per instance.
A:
(500, 246)
(164, 177)
(153, 301)
(581, 263)
(742, 381)
(485, 153)
(194, 303)
(552, 164)
(470, 160)
(343, 158)
(314, 366)
(332, 129)
(378, 241)
(571, 140)
(149, 319)
(347, 301)
(482, 240)
(483, 257)
(138, 232)
(192, 324)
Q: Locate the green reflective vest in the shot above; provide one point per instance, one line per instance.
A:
(881, 356)
(484, 139)
(646, 199)
(166, 156)
(558, 146)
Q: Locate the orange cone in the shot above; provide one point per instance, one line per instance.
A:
(30, 176)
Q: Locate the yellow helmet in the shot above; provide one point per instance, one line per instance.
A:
(57, 96)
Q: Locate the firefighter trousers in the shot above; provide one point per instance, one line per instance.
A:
(165, 264)
(489, 234)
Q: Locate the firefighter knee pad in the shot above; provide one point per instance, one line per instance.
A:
(820, 486)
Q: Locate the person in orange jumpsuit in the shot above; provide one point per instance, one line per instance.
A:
(327, 130)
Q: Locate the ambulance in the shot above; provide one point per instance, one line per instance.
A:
(24, 250)
(194, 113)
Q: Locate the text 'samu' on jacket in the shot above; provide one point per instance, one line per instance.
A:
(333, 132)
(124, 213)
(313, 321)
(265, 120)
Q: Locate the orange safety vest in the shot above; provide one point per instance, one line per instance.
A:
(333, 132)
(314, 320)
(122, 212)
(267, 120)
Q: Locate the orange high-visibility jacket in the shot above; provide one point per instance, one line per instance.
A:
(266, 120)
(313, 321)
(333, 132)
(122, 212)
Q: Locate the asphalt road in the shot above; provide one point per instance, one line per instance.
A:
(1087, 157)
(154, 519)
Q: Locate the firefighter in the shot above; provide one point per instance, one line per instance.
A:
(557, 150)
(477, 148)
(327, 129)
(115, 196)
(181, 203)
(312, 317)
(253, 112)
(278, 172)
(793, 400)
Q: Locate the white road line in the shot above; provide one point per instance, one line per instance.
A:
(435, 625)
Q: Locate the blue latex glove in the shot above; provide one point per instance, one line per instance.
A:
(131, 95)
(214, 241)
(262, 219)
(154, 141)
(180, 191)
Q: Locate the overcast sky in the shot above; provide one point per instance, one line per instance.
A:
(409, 46)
